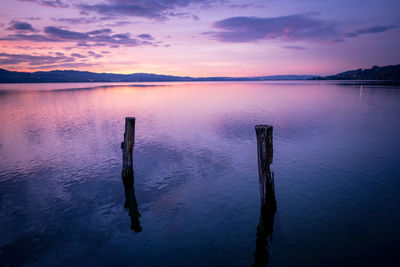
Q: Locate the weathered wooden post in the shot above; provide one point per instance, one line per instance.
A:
(265, 155)
(267, 194)
(127, 146)
(128, 174)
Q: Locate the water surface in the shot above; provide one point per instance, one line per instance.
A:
(336, 168)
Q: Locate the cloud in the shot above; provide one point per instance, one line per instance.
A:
(145, 36)
(100, 37)
(78, 55)
(102, 31)
(72, 65)
(375, 29)
(55, 60)
(27, 47)
(183, 15)
(246, 6)
(58, 33)
(33, 18)
(299, 27)
(21, 27)
(119, 23)
(48, 3)
(80, 20)
(369, 30)
(295, 47)
(119, 39)
(151, 9)
(93, 54)
(33, 60)
(27, 37)
(294, 27)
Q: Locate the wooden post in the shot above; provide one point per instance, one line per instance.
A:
(265, 155)
(267, 194)
(127, 146)
(128, 174)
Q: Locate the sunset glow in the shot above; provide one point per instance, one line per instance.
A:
(199, 37)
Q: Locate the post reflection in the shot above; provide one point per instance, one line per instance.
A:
(131, 204)
(266, 221)
(267, 195)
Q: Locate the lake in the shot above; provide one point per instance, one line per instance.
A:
(336, 167)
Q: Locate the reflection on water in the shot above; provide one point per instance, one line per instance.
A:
(130, 200)
(335, 159)
(264, 234)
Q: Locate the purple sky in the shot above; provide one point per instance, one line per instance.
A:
(199, 37)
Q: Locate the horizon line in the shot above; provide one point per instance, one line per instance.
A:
(155, 73)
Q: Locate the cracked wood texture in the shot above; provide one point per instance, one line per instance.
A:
(127, 146)
(265, 155)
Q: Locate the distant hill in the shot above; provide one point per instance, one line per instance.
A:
(387, 73)
(65, 76)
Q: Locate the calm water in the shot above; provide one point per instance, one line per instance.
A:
(336, 166)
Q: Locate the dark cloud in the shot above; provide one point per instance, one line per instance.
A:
(350, 34)
(49, 3)
(145, 36)
(375, 29)
(58, 33)
(300, 27)
(294, 27)
(241, 6)
(120, 39)
(72, 65)
(117, 39)
(56, 60)
(80, 20)
(78, 55)
(102, 31)
(295, 47)
(119, 23)
(33, 60)
(21, 27)
(246, 6)
(84, 44)
(27, 37)
(370, 30)
(93, 54)
(152, 9)
(183, 15)
(101, 37)
(33, 18)
(27, 47)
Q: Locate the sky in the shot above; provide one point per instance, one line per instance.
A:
(199, 38)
